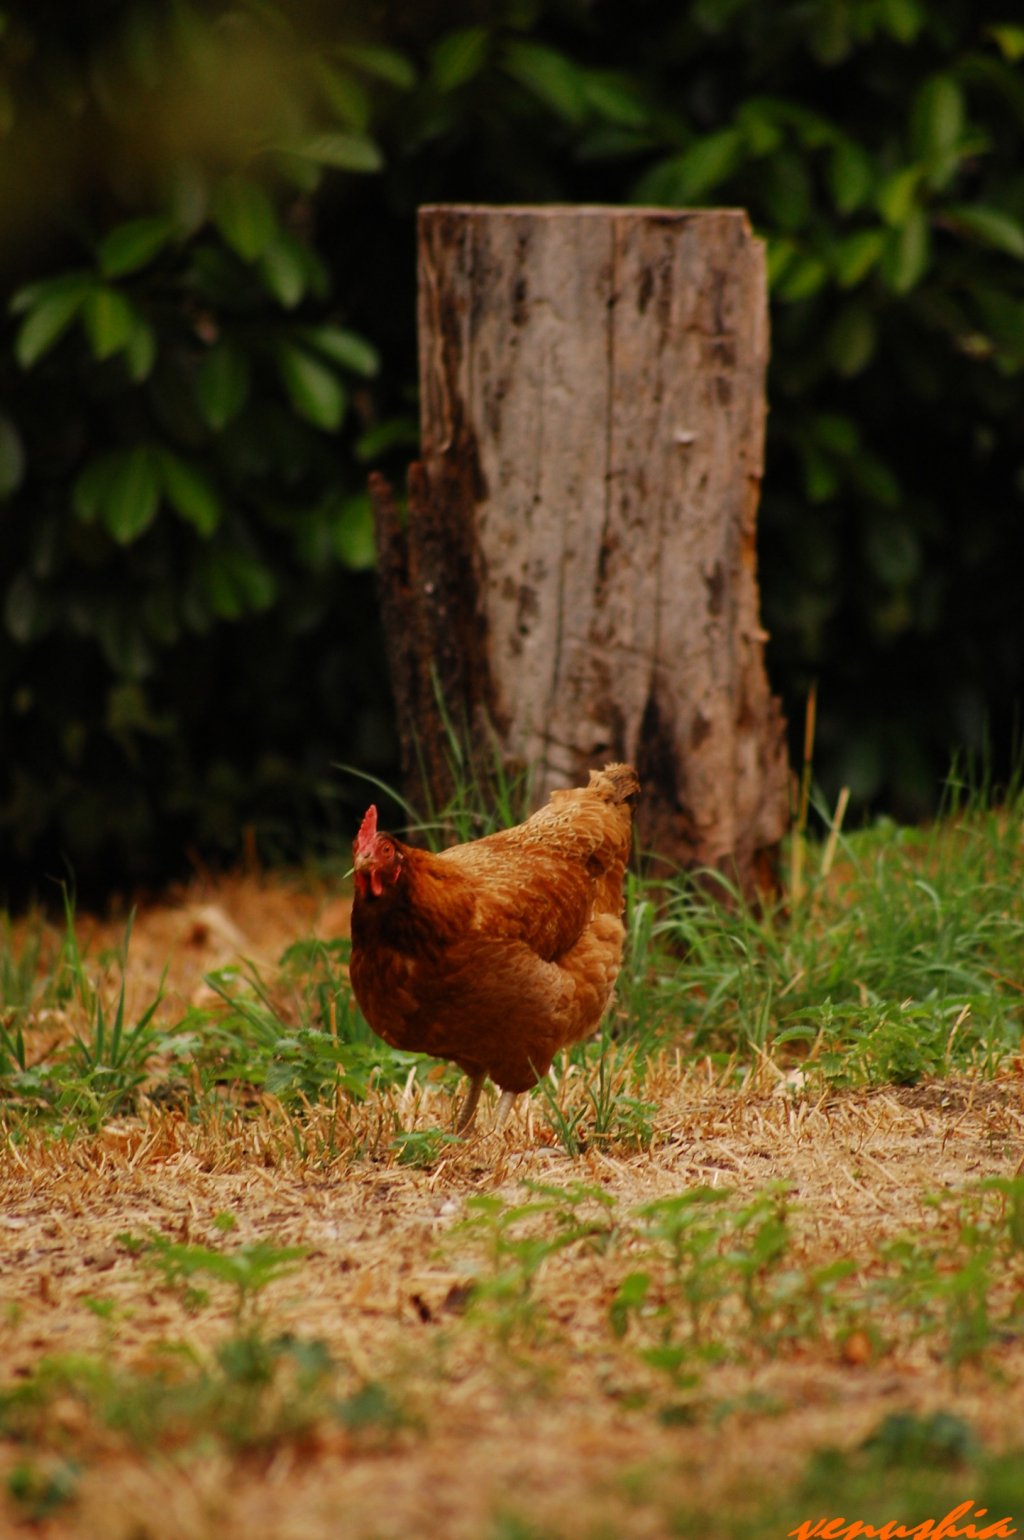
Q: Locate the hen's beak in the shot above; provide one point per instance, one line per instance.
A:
(365, 863)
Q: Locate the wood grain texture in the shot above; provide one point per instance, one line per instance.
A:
(593, 417)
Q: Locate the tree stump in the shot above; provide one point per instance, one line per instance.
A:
(577, 574)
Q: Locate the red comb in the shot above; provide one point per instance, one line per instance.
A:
(367, 831)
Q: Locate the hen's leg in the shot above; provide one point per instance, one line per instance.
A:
(467, 1112)
(505, 1105)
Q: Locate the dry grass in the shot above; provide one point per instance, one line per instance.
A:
(542, 1422)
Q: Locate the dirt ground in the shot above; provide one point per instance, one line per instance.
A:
(497, 1441)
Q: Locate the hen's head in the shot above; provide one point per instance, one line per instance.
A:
(377, 858)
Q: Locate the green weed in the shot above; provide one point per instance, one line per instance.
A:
(423, 1146)
(597, 1101)
(99, 1072)
(912, 1472)
(21, 981)
(109, 1058)
(300, 1041)
(13, 1054)
(704, 1276)
(253, 1391)
(245, 1271)
(719, 1279)
(961, 1282)
(505, 1247)
(41, 1486)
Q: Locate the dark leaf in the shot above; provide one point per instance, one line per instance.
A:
(907, 254)
(245, 217)
(284, 270)
(12, 457)
(132, 494)
(855, 256)
(140, 351)
(345, 94)
(342, 347)
(189, 492)
(353, 533)
(342, 152)
(121, 490)
(384, 63)
(236, 583)
(903, 19)
(548, 75)
(994, 227)
(458, 57)
(851, 340)
(131, 246)
(836, 433)
(897, 196)
(937, 119)
(1010, 41)
(315, 390)
(48, 317)
(222, 384)
(1002, 317)
(762, 125)
(617, 98)
(689, 177)
(803, 276)
(110, 321)
(851, 176)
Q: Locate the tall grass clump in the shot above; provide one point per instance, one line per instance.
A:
(903, 955)
(97, 1051)
(486, 793)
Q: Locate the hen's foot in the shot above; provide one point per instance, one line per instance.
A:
(467, 1112)
(505, 1105)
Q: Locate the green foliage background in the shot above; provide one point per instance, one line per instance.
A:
(209, 339)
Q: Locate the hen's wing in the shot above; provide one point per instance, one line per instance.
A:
(535, 897)
(544, 880)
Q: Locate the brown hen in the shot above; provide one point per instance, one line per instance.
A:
(497, 953)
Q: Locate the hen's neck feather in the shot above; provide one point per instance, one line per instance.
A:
(430, 902)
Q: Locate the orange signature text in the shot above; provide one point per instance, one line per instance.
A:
(949, 1528)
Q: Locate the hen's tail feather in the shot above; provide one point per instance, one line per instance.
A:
(618, 783)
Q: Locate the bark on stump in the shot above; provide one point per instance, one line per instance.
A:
(578, 568)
